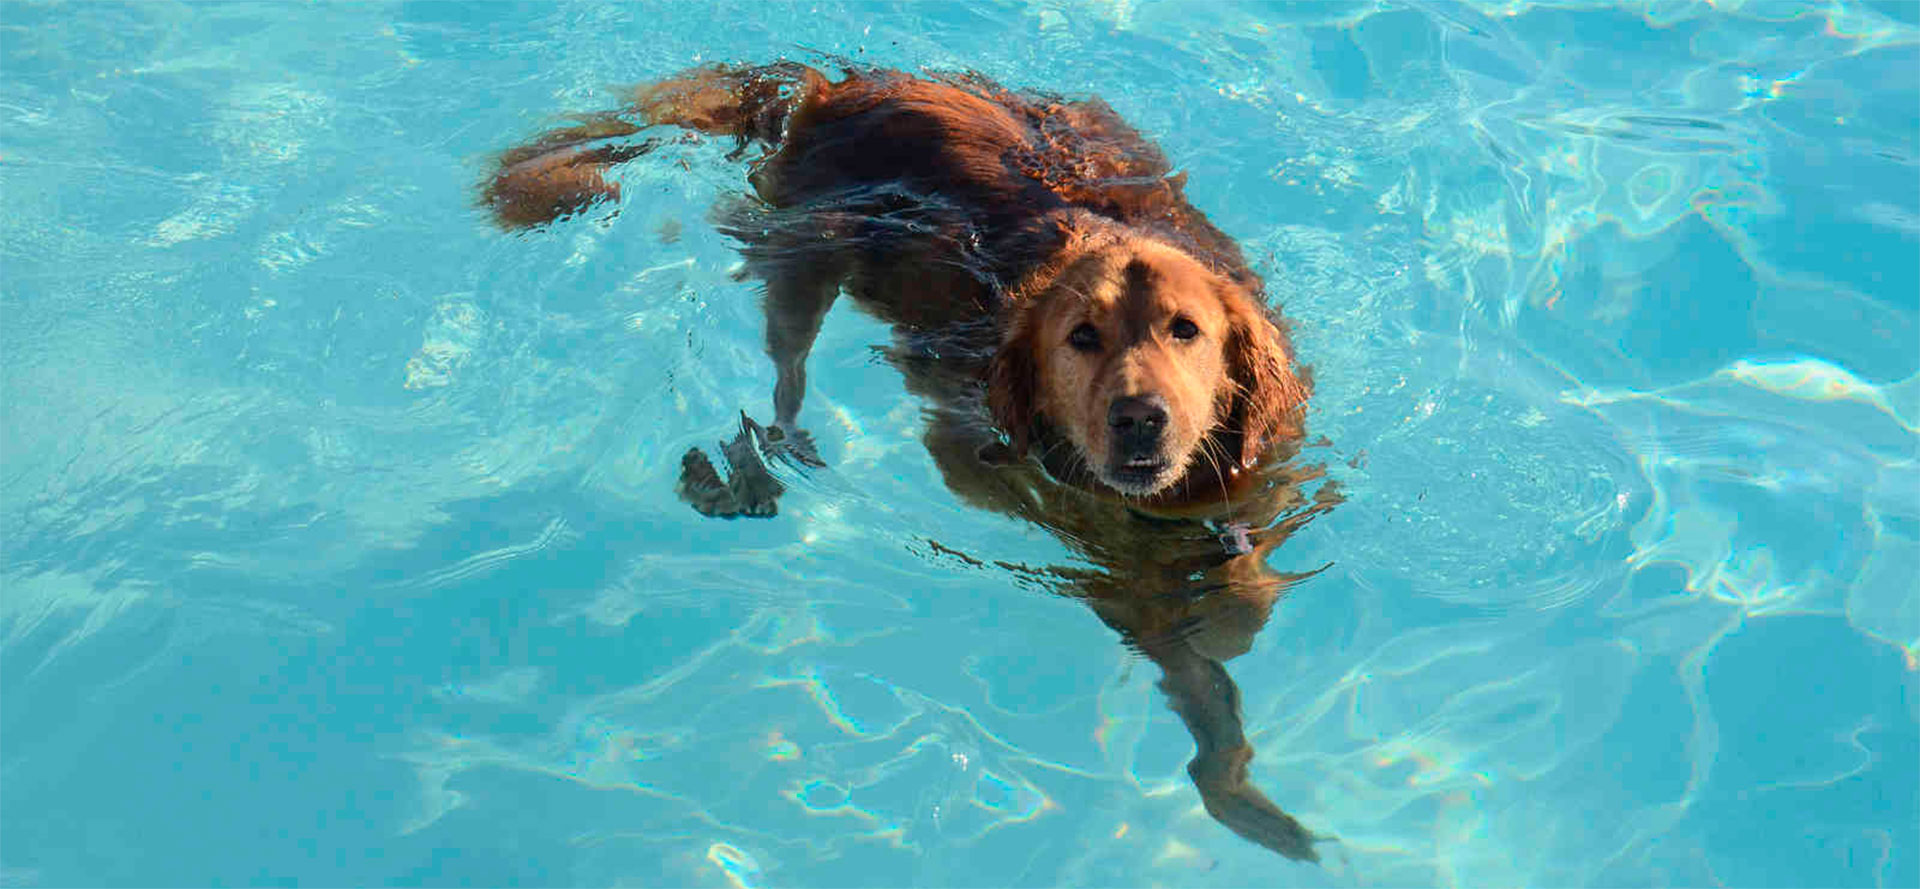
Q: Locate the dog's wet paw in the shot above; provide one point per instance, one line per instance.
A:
(793, 444)
(1221, 778)
(749, 490)
(755, 491)
(702, 488)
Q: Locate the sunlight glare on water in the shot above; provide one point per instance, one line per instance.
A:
(341, 548)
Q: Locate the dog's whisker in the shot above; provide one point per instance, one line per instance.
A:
(1206, 446)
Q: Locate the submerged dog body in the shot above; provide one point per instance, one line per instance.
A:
(1094, 354)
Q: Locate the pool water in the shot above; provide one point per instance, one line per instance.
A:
(340, 543)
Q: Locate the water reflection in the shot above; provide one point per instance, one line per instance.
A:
(1188, 592)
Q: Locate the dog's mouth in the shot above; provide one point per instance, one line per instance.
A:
(1139, 476)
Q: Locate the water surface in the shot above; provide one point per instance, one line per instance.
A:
(340, 545)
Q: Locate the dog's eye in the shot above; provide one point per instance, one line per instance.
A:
(1184, 329)
(1084, 338)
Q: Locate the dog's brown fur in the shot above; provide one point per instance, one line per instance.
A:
(1094, 354)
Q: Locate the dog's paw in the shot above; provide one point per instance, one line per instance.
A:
(749, 490)
(702, 488)
(791, 443)
(1221, 778)
(755, 491)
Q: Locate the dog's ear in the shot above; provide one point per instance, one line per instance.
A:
(1012, 380)
(1270, 393)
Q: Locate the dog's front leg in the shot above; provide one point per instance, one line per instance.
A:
(797, 302)
(796, 305)
(1208, 701)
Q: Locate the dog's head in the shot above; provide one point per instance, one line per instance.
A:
(1147, 362)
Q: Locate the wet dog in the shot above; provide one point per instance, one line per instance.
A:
(1094, 355)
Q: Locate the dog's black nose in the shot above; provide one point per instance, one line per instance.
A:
(1137, 417)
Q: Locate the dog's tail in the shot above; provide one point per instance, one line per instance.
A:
(562, 171)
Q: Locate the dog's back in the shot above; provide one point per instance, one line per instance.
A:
(882, 142)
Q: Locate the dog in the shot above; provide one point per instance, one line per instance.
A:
(1094, 356)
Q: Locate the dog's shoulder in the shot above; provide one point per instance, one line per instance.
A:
(1006, 156)
(1092, 159)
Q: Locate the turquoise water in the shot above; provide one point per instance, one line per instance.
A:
(340, 545)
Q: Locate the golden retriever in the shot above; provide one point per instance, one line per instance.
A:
(1094, 355)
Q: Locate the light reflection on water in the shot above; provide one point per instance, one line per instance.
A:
(340, 529)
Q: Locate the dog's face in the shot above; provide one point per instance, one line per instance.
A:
(1148, 363)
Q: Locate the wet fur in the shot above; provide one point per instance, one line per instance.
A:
(986, 225)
